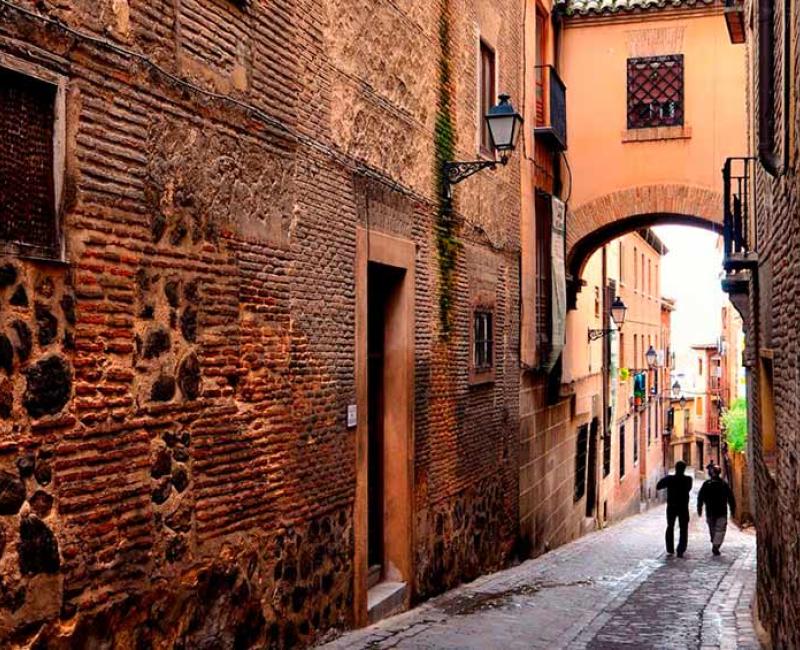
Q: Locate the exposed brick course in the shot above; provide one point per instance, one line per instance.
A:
(202, 330)
(772, 328)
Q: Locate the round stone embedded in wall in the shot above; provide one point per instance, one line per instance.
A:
(6, 399)
(156, 343)
(45, 287)
(12, 494)
(163, 389)
(43, 473)
(25, 465)
(8, 275)
(180, 479)
(19, 298)
(41, 503)
(189, 324)
(161, 493)
(49, 385)
(38, 548)
(172, 292)
(46, 324)
(6, 354)
(68, 308)
(189, 377)
(24, 342)
(162, 465)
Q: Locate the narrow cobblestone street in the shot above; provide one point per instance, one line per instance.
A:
(615, 588)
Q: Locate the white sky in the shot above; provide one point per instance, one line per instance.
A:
(690, 273)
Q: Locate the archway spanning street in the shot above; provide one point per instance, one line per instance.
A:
(601, 220)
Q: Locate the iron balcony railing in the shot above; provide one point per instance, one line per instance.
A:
(739, 227)
(551, 108)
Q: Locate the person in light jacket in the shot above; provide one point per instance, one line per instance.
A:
(716, 495)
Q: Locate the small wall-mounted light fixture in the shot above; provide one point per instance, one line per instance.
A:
(618, 311)
(505, 125)
(651, 356)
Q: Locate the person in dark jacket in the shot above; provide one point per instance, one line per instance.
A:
(716, 495)
(678, 487)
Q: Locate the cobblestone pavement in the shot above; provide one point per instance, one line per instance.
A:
(615, 588)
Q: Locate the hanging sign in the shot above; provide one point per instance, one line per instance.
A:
(558, 286)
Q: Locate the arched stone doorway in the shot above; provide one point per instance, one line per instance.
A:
(601, 220)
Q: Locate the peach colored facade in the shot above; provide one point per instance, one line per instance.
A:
(615, 181)
(636, 435)
(627, 178)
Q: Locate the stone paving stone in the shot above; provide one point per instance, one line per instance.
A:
(615, 588)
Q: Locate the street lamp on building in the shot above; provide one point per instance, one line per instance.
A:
(651, 356)
(505, 125)
(676, 389)
(617, 313)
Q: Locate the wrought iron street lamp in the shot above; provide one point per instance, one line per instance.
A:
(505, 125)
(651, 356)
(618, 311)
(676, 389)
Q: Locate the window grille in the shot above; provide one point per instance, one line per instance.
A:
(27, 188)
(622, 450)
(483, 354)
(655, 91)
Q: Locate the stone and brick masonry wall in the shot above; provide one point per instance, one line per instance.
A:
(174, 461)
(773, 325)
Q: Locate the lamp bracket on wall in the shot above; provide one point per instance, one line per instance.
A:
(457, 171)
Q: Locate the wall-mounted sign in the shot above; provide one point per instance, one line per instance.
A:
(352, 416)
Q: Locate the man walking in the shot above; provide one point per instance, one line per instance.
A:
(678, 487)
(716, 495)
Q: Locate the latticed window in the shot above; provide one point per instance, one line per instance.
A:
(27, 192)
(655, 91)
(483, 337)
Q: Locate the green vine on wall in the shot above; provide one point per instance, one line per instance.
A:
(444, 146)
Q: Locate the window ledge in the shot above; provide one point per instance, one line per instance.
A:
(481, 377)
(657, 133)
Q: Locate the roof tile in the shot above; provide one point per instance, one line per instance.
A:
(605, 7)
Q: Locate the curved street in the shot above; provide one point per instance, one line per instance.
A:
(615, 588)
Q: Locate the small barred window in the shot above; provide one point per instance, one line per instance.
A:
(655, 91)
(28, 221)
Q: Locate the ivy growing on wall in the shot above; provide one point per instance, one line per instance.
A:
(446, 235)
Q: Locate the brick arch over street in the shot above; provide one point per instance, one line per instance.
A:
(601, 220)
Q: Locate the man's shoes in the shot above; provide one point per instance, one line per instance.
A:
(680, 554)
(715, 550)
(670, 552)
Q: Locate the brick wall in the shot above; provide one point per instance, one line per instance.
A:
(771, 329)
(172, 399)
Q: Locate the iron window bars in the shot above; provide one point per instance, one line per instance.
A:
(655, 91)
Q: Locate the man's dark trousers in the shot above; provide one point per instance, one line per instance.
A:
(682, 515)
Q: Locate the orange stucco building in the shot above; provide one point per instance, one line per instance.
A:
(635, 108)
